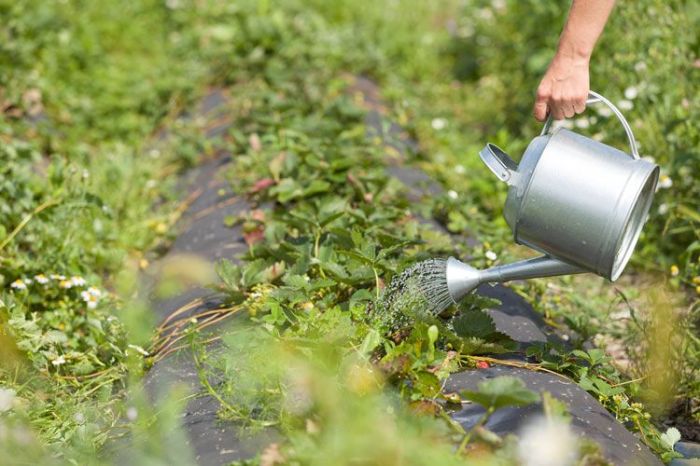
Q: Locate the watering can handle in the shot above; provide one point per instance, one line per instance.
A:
(594, 97)
(499, 163)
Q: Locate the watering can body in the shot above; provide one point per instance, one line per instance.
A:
(580, 202)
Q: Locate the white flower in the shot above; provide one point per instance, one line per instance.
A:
(547, 442)
(498, 4)
(64, 36)
(154, 153)
(465, 31)
(460, 170)
(452, 194)
(640, 66)
(7, 399)
(438, 123)
(132, 413)
(625, 104)
(41, 279)
(28, 281)
(90, 299)
(18, 285)
(78, 281)
(86, 174)
(59, 361)
(66, 284)
(582, 123)
(139, 349)
(54, 276)
(484, 13)
(665, 182)
(604, 111)
(94, 292)
(490, 255)
(568, 124)
(631, 93)
(663, 209)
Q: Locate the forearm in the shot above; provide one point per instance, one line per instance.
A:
(563, 90)
(584, 25)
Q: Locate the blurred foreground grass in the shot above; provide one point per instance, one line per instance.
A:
(87, 186)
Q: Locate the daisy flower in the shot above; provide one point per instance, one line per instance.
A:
(90, 299)
(665, 182)
(438, 123)
(78, 281)
(18, 285)
(631, 93)
(59, 361)
(625, 104)
(41, 279)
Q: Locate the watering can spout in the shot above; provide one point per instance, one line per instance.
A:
(463, 278)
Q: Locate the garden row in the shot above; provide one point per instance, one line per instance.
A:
(81, 101)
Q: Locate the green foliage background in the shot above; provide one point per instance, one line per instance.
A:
(86, 184)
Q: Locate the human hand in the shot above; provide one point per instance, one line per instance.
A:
(563, 91)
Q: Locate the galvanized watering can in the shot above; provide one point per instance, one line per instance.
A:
(580, 202)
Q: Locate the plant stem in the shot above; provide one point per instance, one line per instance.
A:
(468, 436)
(25, 220)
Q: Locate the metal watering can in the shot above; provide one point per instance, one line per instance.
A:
(580, 202)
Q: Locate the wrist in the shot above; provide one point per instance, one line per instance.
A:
(576, 51)
(572, 56)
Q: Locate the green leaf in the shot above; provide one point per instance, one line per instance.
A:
(362, 295)
(473, 345)
(357, 238)
(501, 392)
(427, 384)
(287, 190)
(553, 407)
(316, 186)
(473, 324)
(371, 341)
(330, 218)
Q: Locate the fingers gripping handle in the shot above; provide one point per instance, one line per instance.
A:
(594, 97)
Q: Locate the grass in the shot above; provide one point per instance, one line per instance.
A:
(86, 88)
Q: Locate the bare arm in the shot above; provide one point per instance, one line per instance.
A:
(564, 87)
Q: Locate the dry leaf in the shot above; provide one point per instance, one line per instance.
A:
(254, 236)
(262, 185)
(258, 215)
